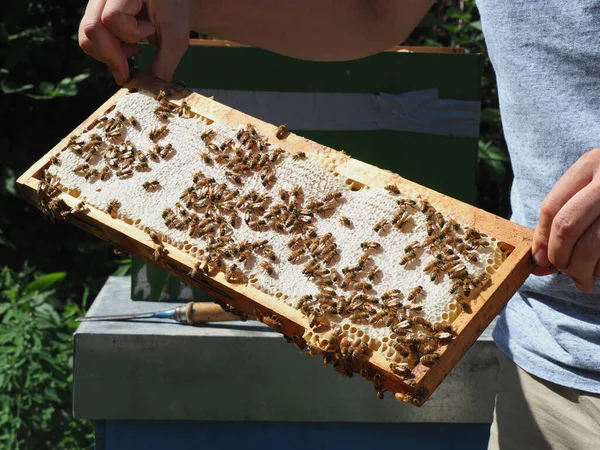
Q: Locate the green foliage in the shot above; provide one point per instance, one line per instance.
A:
(36, 363)
(47, 86)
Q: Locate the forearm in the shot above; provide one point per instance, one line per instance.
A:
(320, 30)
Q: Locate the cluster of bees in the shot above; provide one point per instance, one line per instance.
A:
(212, 211)
(120, 157)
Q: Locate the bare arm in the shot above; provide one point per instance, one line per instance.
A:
(322, 30)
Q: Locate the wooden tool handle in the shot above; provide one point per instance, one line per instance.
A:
(200, 312)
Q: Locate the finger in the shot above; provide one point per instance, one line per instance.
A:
(107, 47)
(573, 180)
(543, 271)
(172, 35)
(571, 222)
(119, 16)
(597, 270)
(130, 50)
(90, 17)
(584, 260)
(171, 49)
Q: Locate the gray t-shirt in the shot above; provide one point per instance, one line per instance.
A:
(546, 54)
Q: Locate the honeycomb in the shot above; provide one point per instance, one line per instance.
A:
(372, 269)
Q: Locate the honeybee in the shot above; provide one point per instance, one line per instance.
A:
(392, 294)
(55, 160)
(458, 272)
(162, 96)
(380, 392)
(184, 109)
(153, 154)
(422, 321)
(400, 219)
(476, 243)
(405, 324)
(269, 253)
(281, 132)
(296, 254)
(443, 336)
(426, 206)
(345, 221)
(364, 286)
(445, 327)
(472, 257)
(472, 234)
(359, 317)
(392, 189)
(429, 359)
(267, 267)
(258, 225)
(197, 268)
(162, 112)
(400, 369)
(408, 257)
(374, 274)
(296, 192)
(430, 229)
(81, 169)
(335, 195)
(479, 280)
(206, 159)
(370, 246)
(233, 177)
(415, 293)
(359, 349)
(113, 206)
(381, 317)
(466, 288)
(276, 154)
(157, 133)
(269, 179)
(232, 273)
(158, 251)
(380, 226)
(300, 156)
(91, 174)
(465, 306)
(105, 174)
(151, 185)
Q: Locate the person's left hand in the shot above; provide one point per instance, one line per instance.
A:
(568, 231)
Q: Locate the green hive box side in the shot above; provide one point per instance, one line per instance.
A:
(442, 162)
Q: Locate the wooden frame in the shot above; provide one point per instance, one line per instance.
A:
(504, 282)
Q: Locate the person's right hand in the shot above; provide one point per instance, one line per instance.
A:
(111, 29)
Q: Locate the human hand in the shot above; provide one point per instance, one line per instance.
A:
(568, 232)
(111, 29)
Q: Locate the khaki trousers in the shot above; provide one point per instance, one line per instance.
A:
(535, 414)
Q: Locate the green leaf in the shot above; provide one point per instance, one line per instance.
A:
(8, 177)
(44, 283)
(124, 268)
(490, 152)
(476, 25)
(11, 88)
(79, 78)
(490, 115)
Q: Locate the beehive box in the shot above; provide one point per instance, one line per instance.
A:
(374, 273)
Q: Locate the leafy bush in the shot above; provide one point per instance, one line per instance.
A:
(36, 363)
